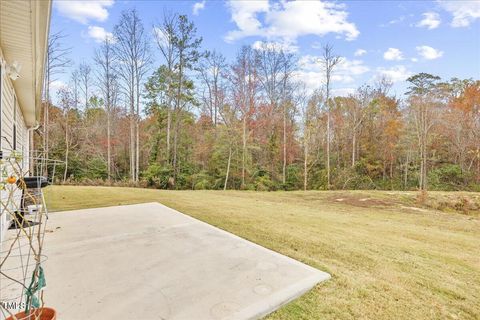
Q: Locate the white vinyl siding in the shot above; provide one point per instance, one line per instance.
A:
(3, 218)
(9, 102)
(7, 114)
(8, 105)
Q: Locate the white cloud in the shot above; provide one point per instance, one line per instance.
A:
(352, 67)
(57, 85)
(244, 14)
(464, 12)
(397, 21)
(285, 46)
(312, 80)
(345, 67)
(401, 20)
(360, 52)
(160, 36)
(395, 74)
(312, 74)
(83, 11)
(197, 7)
(289, 20)
(429, 53)
(343, 91)
(414, 59)
(431, 20)
(99, 34)
(393, 54)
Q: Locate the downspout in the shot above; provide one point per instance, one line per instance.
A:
(30, 131)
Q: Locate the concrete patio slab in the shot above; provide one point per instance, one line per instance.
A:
(148, 261)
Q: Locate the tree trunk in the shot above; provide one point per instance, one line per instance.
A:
(424, 149)
(328, 147)
(420, 185)
(66, 150)
(169, 121)
(391, 167)
(132, 142)
(177, 116)
(86, 98)
(284, 168)
(66, 167)
(384, 171)
(137, 149)
(109, 152)
(137, 126)
(175, 144)
(305, 164)
(215, 102)
(354, 138)
(228, 167)
(244, 148)
(478, 164)
(405, 182)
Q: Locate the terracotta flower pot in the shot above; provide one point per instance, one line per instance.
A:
(36, 314)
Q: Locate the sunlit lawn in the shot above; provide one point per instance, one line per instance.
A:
(388, 260)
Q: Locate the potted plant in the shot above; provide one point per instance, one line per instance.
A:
(43, 313)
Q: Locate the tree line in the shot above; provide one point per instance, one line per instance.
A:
(193, 120)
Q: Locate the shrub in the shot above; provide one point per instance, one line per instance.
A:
(353, 178)
(201, 181)
(293, 178)
(448, 177)
(96, 169)
(264, 183)
(158, 176)
(317, 179)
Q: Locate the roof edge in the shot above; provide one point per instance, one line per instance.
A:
(42, 14)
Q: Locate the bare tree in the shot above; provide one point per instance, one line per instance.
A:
(228, 116)
(107, 83)
(358, 108)
(211, 69)
(66, 103)
(75, 82)
(423, 93)
(164, 34)
(309, 114)
(276, 68)
(182, 49)
(132, 52)
(244, 87)
(328, 61)
(56, 63)
(212, 73)
(85, 77)
(383, 85)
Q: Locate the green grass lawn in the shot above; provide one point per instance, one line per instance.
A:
(388, 259)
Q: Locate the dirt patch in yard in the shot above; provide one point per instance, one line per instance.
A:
(361, 201)
(463, 203)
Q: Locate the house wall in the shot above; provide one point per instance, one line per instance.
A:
(10, 113)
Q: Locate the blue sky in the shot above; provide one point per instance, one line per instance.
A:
(392, 38)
